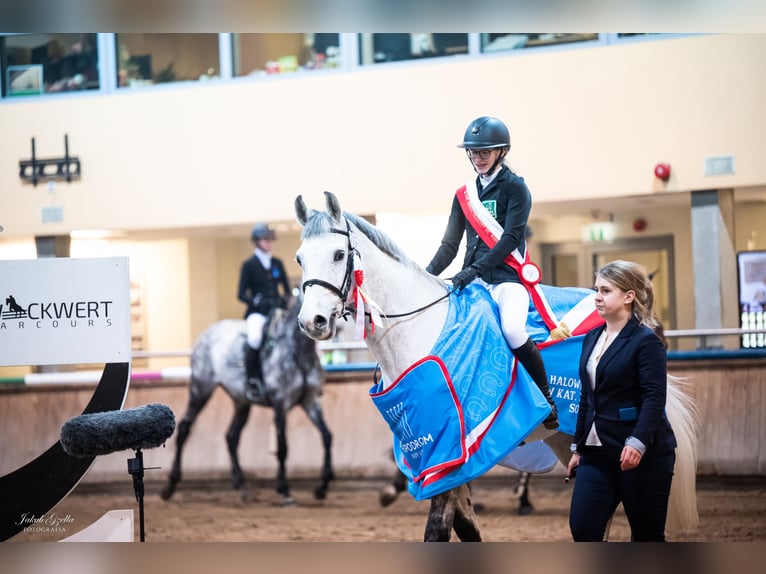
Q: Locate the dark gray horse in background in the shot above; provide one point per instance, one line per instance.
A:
(292, 376)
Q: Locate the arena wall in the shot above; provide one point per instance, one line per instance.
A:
(729, 394)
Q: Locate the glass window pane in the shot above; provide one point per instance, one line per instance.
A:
(48, 63)
(504, 41)
(144, 59)
(281, 53)
(378, 48)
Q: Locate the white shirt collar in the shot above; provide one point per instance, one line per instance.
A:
(264, 258)
(487, 179)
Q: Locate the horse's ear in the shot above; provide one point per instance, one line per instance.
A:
(333, 207)
(301, 211)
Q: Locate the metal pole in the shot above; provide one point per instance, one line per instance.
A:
(34, 164)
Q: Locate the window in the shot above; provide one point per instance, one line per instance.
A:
(504, 42)
(255, 54)
(378, 48)
(48, 63)
(144, 59)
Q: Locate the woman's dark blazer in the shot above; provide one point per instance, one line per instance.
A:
(630, 392)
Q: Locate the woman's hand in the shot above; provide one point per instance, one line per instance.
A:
(629, 458)
(574, 462)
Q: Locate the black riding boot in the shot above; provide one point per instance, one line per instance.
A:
(253, 374)
(530, 357)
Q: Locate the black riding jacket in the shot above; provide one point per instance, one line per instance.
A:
(509, 200)
(259, 287)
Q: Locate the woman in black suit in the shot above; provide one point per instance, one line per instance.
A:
(623, 446)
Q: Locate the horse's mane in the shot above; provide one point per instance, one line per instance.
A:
(321, 222)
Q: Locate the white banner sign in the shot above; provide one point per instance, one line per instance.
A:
(58, 311)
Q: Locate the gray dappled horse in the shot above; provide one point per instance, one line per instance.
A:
(292, 376)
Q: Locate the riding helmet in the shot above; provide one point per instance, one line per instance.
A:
(486, 133)
(262, 231)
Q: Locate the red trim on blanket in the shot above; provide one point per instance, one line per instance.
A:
(477, 443)
(449, 465)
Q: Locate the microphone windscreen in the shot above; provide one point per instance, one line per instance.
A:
(95, 434)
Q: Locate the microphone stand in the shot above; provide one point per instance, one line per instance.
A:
(136, 470)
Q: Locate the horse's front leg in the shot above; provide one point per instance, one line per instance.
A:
(196, 403)
(452, 509)
(441, 514)
(280, 423)
(465, 524)
(233, 435)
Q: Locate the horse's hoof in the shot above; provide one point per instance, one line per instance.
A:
(526, 510)
(288, 501)
(388, 495)
(320, 493)
(167, 492)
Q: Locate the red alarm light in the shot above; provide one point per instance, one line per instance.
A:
(662, 171)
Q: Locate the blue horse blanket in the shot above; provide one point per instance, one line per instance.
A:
(466, 406)
(460, 410)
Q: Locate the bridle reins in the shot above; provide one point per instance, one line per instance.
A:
(348, 280)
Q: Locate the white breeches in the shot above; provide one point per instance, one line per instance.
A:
(255, 323)
(513, 304)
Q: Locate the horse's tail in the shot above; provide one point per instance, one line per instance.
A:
(683, 416)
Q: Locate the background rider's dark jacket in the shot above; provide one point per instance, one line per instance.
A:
(513, 202)
(632, 374)
(259, 288)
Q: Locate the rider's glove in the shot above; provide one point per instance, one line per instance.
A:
(464, 277)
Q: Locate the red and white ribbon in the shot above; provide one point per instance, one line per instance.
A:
(364, 303)
(490, 231)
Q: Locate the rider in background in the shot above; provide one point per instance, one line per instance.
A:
(506, 196)
(260, 279)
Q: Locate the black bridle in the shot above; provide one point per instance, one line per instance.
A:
(348, 280)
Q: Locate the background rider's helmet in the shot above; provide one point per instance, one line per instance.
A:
(262, 231)
(486, 133)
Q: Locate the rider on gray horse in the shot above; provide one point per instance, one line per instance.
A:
(260, 279)
(492, 213)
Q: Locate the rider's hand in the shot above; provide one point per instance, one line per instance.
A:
(464, 277)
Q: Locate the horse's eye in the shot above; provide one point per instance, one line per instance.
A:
(339, 256)
(298, 261)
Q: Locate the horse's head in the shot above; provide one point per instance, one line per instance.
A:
(326, 259)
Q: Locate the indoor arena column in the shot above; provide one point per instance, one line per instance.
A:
(715, 262)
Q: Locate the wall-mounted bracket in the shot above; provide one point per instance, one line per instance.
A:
(65, 168)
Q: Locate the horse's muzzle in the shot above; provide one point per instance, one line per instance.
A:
(318, 327)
